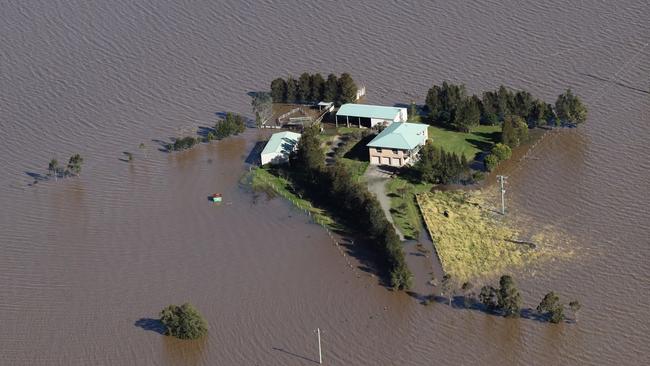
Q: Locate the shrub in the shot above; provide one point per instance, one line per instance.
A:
(183, 322)
(491, 162)
(502, 151)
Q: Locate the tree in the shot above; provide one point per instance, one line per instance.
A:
(523, 103)
(443, 102)
(309, 158)
(514, 131)
(304, 87)
(279, 90)
(331, 88)
(551, 307)
(292, 90)
(262, 104)
(569, 108)
(575, 307)
(502, 151)
(468, 115)
(317, 87)
(74, 165)
(413, 111)
(183, 322)
(347, 89)
(509, 298)
(233, 124)
(488, 297)
(490, 162)
(54, 168)
(504, 102)
(447, 287)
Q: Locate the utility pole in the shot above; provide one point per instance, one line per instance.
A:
(502, 181)
(320, 353)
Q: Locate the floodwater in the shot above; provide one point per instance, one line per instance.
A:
(86, 262)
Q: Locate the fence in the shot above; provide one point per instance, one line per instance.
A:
(314, 218)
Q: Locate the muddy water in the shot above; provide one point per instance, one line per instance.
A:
(86, 262)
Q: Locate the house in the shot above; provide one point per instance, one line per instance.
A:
(398, 144)
(279, 147)
(369, 115)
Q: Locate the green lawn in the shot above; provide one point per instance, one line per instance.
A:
(481, 138)
(403, 206)
(356, 167)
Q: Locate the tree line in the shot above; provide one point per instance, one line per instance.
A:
(232, 124)
(450, 106)
(336, 187)
(507, 300)
(314, 88)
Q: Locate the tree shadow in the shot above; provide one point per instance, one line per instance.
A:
(481, 145)
(152, 325)
(294, 354)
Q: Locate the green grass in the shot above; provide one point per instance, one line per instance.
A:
(356, 167)
(403, 206)
(263, 180)
(480, 138)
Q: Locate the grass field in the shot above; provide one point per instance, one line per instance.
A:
(480, 138)
(472, 242)
(263, 180)
(403, 207)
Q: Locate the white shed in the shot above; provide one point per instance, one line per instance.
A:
(279, 147)
(370, 115)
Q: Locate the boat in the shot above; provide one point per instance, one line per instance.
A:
(216, 197)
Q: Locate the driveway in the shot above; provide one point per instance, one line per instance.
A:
(377, 179)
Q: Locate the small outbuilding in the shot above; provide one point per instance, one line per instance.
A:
(279, 147)
(369, 115)
(398, 144)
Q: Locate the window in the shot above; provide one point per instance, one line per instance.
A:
(378, 150)
(395, 151)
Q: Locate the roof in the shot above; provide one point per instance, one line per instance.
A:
(281, 142)
(400, 135)
(369, 111)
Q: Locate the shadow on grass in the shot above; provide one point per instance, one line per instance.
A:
(152, 325)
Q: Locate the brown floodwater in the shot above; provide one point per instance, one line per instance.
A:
(86, 263)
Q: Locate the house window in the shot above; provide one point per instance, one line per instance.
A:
(379, 150)
(395, 151)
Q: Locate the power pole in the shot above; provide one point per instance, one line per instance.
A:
(502, 181)
(320, 353)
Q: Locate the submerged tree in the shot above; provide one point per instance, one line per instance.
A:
(74, 165)
(569, 108)
(183, 322)
(262, 104)
(488, 297)
(575, 307)
(509, 298)
(447, 287)
(54, 168)
(551, 307)
(468, 296)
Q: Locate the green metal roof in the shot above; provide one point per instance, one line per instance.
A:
(368, 111)
(400, 135)
(281, 142)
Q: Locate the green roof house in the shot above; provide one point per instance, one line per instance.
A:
(279, 147)
(398, 144)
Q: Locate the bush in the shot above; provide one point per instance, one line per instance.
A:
(491, 161)
(502, 151)
(183, 322)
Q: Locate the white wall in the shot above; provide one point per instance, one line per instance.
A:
(273, 158)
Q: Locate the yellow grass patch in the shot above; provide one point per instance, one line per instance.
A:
(473, 241)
